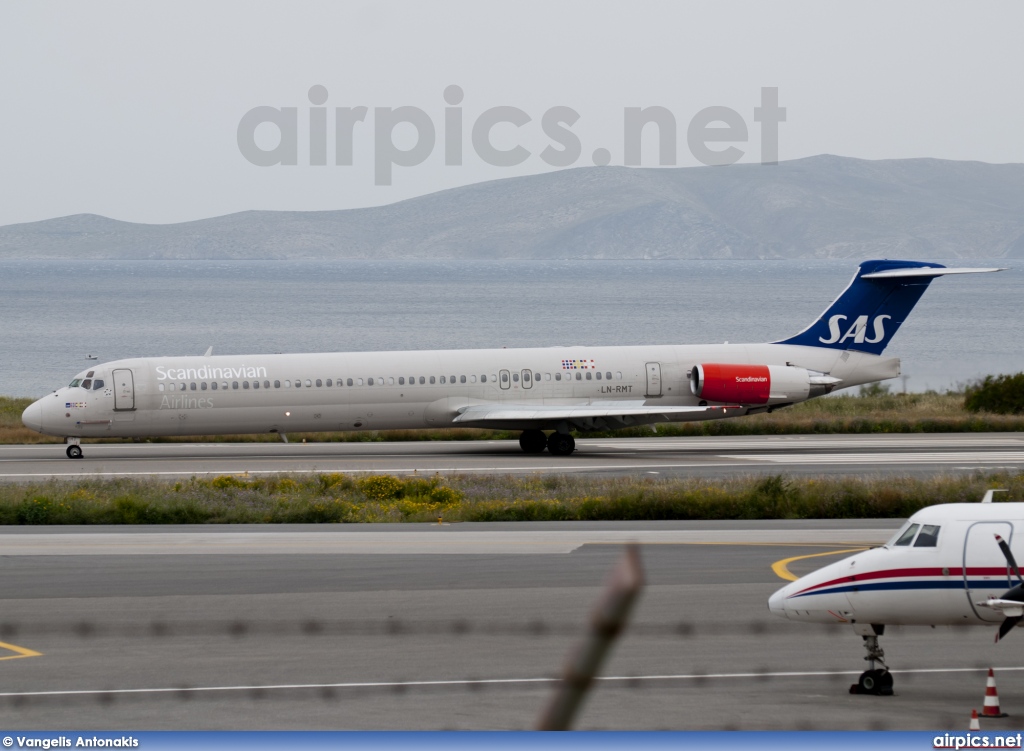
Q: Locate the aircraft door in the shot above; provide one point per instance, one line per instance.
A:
(124, 390)
(527, 379)
(505, 379)
(985, 571)
(653, 379)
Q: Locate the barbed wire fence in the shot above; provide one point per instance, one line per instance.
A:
(608, 622)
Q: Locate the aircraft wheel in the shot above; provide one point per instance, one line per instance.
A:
(561, 444)
(74, 451)
(532, 441)
(877, 682)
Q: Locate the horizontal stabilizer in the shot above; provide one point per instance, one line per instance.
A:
(918, 272)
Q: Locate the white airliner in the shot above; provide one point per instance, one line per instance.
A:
(557, 389)
(949, 565)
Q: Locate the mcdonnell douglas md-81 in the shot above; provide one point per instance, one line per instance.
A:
(558, 389)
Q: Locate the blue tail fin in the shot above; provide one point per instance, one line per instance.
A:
(870, 310)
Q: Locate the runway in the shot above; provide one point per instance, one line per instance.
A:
(461, 626)
(709, 457)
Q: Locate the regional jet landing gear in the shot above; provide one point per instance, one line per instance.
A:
(877, 681)
(74, 451)
(534, 442)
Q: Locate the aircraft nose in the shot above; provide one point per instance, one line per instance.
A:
(777, 603)
(32, 417)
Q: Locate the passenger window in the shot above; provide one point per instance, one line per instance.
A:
(192, 386)
(515, 378)
(451, 379)
(159, 387)
(432, 379)
(181, 387)
(245, 384)
(391, 380)
(598, 374)
(255, 384)
(442, 379)
(401, 380)
(266, 384)
(369, 381)
(483, 379)
(328, 383)
(319, 383)
(504, 377)
(907, 537)
(590, 376)
(422, 380)
(547, 376)
(608, 376)
(494, 378)
(287, 384)
(618, 375)
(349, 381)
(472, 379)
(202, 386)
(224, 385)
(213, 385)
(234, 384)
(462, 379)
(359, 382)
(277, 384)
(308, 383)
(526, 376)
(929, 537)
(579, 376)
(558, 376)
(298, 383)
(86, 384)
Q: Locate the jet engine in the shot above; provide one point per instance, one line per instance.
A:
(758, 384)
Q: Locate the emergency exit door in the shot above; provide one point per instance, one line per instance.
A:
(124, 390)
(653, 379)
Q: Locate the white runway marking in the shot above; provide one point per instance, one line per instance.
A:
(888, 458)
(481, 682)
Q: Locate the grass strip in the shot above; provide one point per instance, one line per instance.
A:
(340, 498)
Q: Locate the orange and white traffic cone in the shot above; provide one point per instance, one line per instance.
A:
(975, 725)
(991, 708)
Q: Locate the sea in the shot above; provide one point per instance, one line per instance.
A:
(56, 314)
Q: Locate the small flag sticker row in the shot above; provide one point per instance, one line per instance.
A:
(578, 365)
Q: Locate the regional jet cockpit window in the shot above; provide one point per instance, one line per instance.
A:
(906, 537)
(929, 537)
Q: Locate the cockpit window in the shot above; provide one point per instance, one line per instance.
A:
(97, 384)
(929, 536)
(74, 383)
(907, 537)
(87, 384)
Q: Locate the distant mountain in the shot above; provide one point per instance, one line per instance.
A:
(819, 207)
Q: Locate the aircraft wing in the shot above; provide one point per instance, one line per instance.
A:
(587, 416)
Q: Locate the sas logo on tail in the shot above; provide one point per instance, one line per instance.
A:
(856, 331)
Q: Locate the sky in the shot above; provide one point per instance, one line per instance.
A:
(138, 111)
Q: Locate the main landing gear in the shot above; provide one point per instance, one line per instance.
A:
(534, 442)
(877, 681)
(74, 451)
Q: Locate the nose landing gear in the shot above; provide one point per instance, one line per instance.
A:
(876, 681)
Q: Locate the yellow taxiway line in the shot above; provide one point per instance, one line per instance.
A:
(781, 568)
(19, 652)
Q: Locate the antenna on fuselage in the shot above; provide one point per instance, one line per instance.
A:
(988, 494)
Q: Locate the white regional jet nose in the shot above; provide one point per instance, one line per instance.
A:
(33, 416)
(777, 603)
